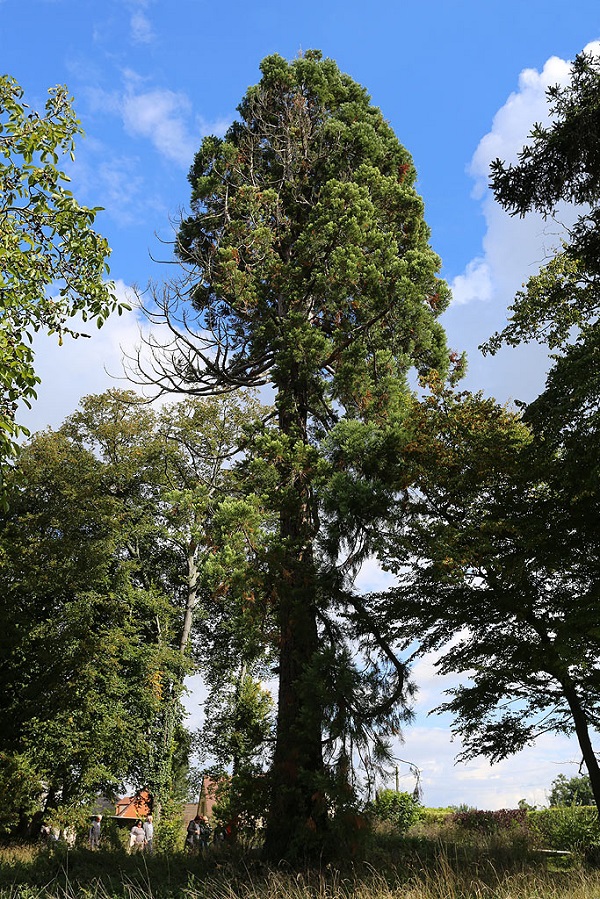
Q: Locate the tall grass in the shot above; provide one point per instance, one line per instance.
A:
(441, 861)
(443, 882)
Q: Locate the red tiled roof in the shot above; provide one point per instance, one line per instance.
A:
(137, 806)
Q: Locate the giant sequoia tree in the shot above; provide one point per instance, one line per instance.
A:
(308, 268)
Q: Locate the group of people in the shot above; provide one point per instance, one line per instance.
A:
(141, 836)
(198, 834)
(52, 834)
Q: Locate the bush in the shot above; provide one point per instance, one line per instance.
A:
(485, 822)
(170, 832)
(401, 810)
(435, 816)
(575, 827)
(241, 804)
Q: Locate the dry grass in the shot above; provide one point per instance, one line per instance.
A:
(439, 884)
(401, 870)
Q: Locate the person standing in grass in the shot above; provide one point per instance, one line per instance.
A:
(94, 833)
(205, 831)
(192, 839)
(137, 838)
(148, 827)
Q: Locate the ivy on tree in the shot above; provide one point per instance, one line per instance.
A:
(307, 267)
(104, 548)
(52, 263)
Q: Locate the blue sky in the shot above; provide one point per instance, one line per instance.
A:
(461, 81)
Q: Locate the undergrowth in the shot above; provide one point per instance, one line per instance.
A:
(441, 857)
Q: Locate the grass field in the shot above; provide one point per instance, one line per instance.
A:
(436, 860)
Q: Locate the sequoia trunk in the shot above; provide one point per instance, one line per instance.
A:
(297, 810)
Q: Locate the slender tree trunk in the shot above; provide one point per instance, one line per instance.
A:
(583, 736)
(191, 597)
(235, 762)
(297, 809)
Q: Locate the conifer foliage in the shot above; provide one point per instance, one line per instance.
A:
(306, 266)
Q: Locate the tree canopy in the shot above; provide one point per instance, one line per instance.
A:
(561, 163)
(52, 262)
(493, 571)
(571, 791)
(110, 557)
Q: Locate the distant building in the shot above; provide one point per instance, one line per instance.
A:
(140, 804)
(206, 801)
(132, 807)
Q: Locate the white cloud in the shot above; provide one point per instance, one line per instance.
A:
(514, 121)
(429, 745)
(526, 775)
(372, 577)
(80, 367)
(430, 683)
(474, 284)
(165, 117)
(513, 248)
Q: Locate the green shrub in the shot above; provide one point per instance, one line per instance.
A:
(574, 827)
(170, 832)
(241, 805)
(435, 816)
(401, 810)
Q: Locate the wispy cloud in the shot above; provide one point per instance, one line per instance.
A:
(142, 31)
(141, 28)
(162, 116)
(166, 118)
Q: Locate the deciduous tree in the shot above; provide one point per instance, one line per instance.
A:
(85, 645)
(104, 553)
(559, 306)
(571, 791)
(52, 262)
(498, 571)
(185, 531)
